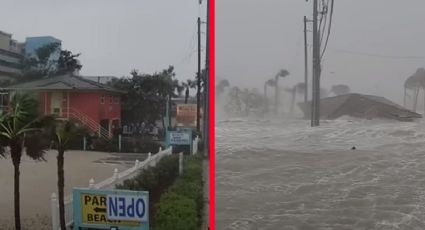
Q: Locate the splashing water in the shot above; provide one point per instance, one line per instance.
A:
(286, 175)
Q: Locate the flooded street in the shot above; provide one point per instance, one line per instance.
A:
(286, 175)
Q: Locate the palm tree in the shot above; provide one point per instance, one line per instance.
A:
(271, 83)
(222, 85)
(415, 83)
(340, 89)
(298, 88)
(282, 73)
(62, 133)
(20, 128)
(187, 85)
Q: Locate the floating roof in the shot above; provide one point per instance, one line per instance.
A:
(361, 106)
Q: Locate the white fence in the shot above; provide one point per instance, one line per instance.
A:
(195, 145)
(116, 178)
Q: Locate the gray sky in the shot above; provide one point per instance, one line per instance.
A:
(113, 36)
(255, 38)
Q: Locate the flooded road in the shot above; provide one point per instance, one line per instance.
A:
(286, 175)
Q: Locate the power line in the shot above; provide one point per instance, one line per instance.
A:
(377, 55)
(329, 28)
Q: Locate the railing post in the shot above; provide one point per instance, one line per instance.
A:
(55, 212)
(160, 149)
(84, 143)
(115, 176)
(149, 155)
(180, 163)
(136, 164)
(91, 183)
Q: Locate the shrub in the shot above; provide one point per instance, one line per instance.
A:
(155, 180)
(189, 186)
(176, 212)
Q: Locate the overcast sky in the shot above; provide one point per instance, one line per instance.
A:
(113, 36)
(255, 38)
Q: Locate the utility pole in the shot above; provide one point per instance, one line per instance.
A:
(198, 94)
(205, 137)
(316, 68)
(305, 62)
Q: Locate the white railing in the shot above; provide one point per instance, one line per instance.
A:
(109, 183)
(87, 121)
(195, 145)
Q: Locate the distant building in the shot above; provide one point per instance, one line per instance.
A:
(34, 43)
(11, 54)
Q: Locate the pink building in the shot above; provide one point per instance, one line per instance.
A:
(95, 105)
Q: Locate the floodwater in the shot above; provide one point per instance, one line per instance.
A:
(285, 175)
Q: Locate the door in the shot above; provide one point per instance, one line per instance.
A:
(56, 103)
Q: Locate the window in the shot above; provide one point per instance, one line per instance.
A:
(102, 99)
(111, 98)
(117, 100)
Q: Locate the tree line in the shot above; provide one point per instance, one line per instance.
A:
(243, 101)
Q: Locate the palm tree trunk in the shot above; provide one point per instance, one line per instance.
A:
(424, 99)
(276, 96)
(17, 197)
(186, 95)
(294, 94)
(16, 151)
(61, 184)
(265, 98)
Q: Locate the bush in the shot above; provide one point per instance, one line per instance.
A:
(189, 186)
(176, 212)
(191, 191)
(155, 180)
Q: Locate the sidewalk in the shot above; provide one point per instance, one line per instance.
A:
(206, 179)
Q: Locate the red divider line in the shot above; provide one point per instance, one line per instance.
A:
(212, 117)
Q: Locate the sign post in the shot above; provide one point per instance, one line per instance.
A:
(110, 209)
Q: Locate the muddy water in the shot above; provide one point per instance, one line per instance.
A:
(285, 175)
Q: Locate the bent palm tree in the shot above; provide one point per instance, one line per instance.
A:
(297, 89)
(282, 73)
(62, 133)
(271, 83)
(222, 86)
(20, 129)
(415, 83)
(187, 85)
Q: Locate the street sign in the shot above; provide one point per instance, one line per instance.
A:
(180, 137)
(110, 209)
(186, 114)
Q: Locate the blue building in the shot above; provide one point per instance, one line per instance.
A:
(33, 43)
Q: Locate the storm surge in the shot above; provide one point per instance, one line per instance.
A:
(283, 174)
